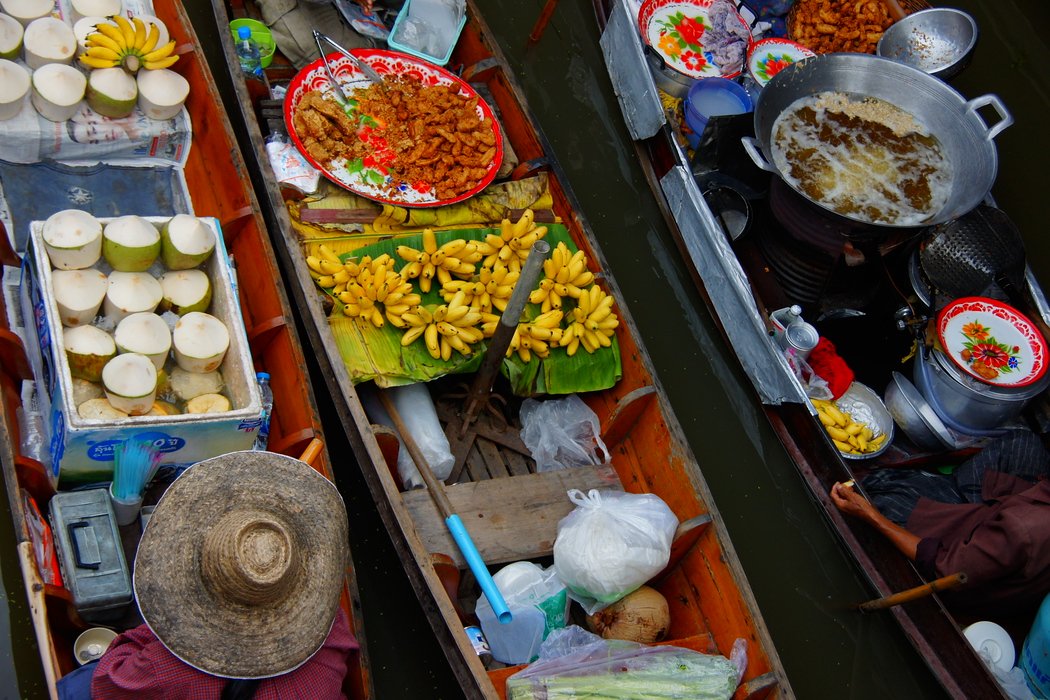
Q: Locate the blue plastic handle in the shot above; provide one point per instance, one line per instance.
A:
(478, 568)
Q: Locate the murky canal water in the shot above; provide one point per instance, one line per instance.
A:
(802, 580)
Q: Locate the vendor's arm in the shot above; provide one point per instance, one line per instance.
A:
(847, 500)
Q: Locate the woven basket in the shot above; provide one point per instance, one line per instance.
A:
(908, 6)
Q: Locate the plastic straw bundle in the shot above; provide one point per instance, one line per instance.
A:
(135, 463)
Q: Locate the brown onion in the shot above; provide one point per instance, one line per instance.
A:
(641, 616)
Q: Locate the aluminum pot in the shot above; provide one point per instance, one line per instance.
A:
(667, 79)
(967, 141)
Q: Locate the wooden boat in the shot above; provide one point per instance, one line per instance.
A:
(218, 184)
(498, 487)
(743, 280)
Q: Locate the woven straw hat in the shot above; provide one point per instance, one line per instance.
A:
(240, 570)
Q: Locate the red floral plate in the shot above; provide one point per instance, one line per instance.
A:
(992, 341)
(682, 32)
(768, 57)
(370, 176)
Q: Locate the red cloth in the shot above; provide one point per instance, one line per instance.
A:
(825, 362)
(138, 666)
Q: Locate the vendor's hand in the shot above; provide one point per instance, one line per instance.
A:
(847, 500)
(366, 5)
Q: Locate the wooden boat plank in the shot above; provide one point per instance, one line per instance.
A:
(511, 518)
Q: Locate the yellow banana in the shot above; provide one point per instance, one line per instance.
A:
(99, 39)
(140, 33)
(96, 62)
(163, 63)
(159, 53)
(324, 251)
(152, 37)
(103, 52)
(126, 29)
(112, 31)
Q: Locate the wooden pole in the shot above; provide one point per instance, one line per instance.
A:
(942, 584)
(541, 22)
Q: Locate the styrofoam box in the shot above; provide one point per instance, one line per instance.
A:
(81, 450)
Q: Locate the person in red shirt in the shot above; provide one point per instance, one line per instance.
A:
(238, 577)
(989, 519)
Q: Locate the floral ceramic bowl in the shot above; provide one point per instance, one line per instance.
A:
(992, 342)
(768, 57)
(698, 38)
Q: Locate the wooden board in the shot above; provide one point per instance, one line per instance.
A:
(509, 519)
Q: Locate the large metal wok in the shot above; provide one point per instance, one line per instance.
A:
(964, 136)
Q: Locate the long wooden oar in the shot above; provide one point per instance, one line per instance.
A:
(436, 489)
(942, 584)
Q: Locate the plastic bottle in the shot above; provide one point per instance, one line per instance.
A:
(1035, 653)
(267, 409)
(248, 53)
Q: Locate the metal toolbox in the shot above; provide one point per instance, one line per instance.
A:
(90, 554)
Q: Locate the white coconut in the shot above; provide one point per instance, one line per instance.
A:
(188, 385)
(145, 333)
(88, 349)
(83, 390)
(185, 291)
(84, 27)
(112, 92)
(57, 91)
(49, 40)
(99, 409)
(130, 243)
(14, 84)
(129, 293)
(11, 32)
(25, 11)
(130, 382)
(162, 92)
(79, 294)
(73, 239)
(185, 241)
(200, 342)
(87, 8)
(208, 403)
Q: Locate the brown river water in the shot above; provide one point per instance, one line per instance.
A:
(804, 582)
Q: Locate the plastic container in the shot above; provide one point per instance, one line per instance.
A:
(538, 602)
(1035, 653)
(713, 97)
(248, 53)
(401, 39)
(267, 410)
(262, 36)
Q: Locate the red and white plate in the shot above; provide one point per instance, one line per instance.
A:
(369, 176)
(992, 342)
(676, 30)
(768, 57)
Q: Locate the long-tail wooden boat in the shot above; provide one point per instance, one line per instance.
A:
(510, 510)
(743, 280)
(218, 184)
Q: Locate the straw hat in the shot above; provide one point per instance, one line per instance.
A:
(240, 570)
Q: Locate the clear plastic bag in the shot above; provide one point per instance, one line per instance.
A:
(562, 433)
(612, 543)
(624, 670)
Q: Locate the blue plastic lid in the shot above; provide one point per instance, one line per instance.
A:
(244, 33)
(262, 375)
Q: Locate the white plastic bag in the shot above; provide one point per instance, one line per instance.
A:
(417, 411)
(561, 433)
(611, 544)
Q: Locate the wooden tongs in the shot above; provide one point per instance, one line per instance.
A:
(366, 69)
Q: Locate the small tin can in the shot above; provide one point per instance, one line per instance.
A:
(800, 338)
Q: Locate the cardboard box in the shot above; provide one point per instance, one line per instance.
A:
(81, 451)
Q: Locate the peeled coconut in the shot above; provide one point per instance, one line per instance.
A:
(83, 27)
(130, 381)
(130, 243)
(88, 349)
(640, 616)
(86, 8)
(208, 403)
(190, 385)
(14, 84)
(145, 333)
(49, 40)
(10, 37)
(161, 92)
(185, 241)
(200, 341)
(83, 390)
(73, 239)
(57, 91)
(79, 294)
(25, 11)
(129, 293)
(185, 291)
(99, 409)
(112, 92)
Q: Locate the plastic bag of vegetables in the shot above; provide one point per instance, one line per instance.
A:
(612, 543)
(607, 669)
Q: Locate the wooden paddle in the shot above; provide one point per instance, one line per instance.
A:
(944, 583)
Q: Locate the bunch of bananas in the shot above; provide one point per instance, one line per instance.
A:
(536, 336)
(369, 288)
(491, 289)
(593, 323)
(513, 243)
(849, 436)
(454, 258)
(127, 44)
(564, 275)
(445, 328)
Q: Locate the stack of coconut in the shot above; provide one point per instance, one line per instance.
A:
(127, 61)
(153, 350)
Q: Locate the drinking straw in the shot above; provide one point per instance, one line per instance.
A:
(135, 463)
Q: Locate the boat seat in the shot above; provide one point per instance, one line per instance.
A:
(509, 519)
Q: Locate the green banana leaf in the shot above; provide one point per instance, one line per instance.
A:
(372, 353)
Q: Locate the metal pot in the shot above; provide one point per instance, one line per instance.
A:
(667, 79)
(963, 134)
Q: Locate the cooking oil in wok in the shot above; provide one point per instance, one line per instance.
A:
(863, 158)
